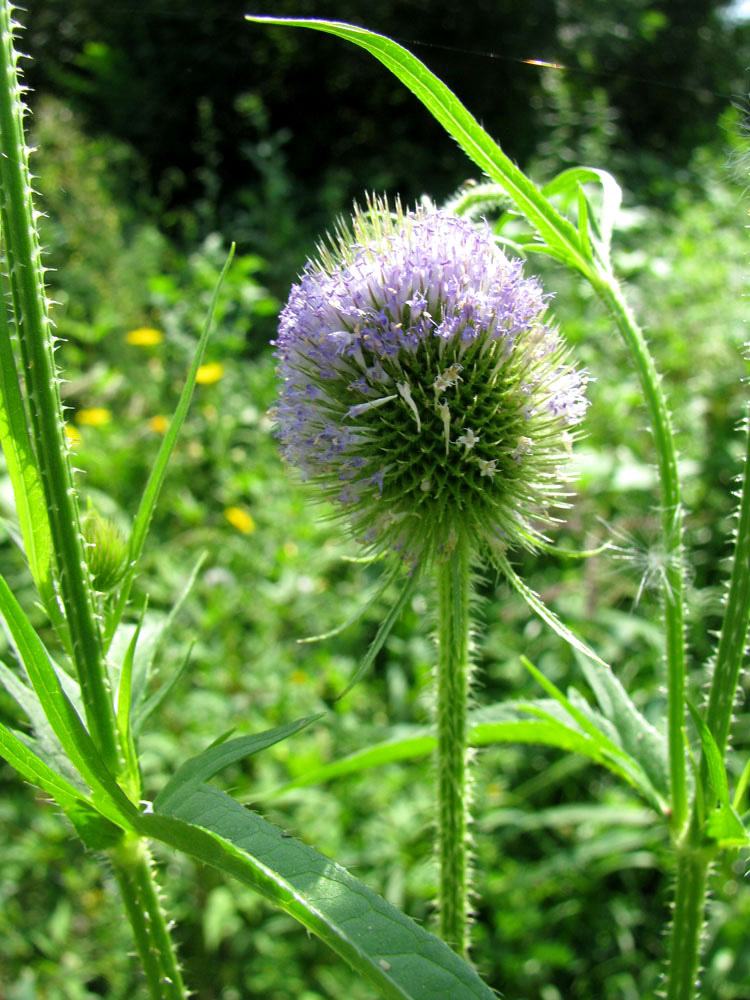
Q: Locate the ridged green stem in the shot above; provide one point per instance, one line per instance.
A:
(133, 870)
(453, 586)
(732, 643)
(671, 514)
(45, 409)
(687, 923)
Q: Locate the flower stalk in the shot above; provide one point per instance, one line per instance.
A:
(425, 395)
(453, 786)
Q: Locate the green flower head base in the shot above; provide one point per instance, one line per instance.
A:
(422, 391)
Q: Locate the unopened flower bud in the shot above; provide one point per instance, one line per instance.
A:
(106, 550)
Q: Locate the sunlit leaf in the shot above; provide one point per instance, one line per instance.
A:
(559, 234)
(220, 755)
(387, 949)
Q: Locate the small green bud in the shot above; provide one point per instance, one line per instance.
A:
(106, 550)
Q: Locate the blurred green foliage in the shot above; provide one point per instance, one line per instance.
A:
(141, 210)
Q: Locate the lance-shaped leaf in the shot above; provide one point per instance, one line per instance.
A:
(205, 765)
(553, 722)
(23, 470)
(559, 234)
(723, 824)
(606, 737)
(96, 831)
(398, 957)
(635, 733)
(569, 183)
(155, 481)
(60, 712)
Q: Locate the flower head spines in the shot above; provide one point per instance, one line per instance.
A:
(418, 370)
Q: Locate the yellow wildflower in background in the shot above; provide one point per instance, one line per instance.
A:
(240, 519)
(97, 416)
(73, 435)
(144, 336)
(210, 373)
(159, 423)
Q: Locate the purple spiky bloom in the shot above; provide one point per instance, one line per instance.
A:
(422, 390)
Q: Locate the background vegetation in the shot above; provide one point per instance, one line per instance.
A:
(168, 130)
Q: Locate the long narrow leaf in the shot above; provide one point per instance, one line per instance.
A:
(96, 831)
(617, 758)
(158, 472)
(25, 477)
(38, 772)
(544, 722)
(386, 948)
(541, 609)
(62, 716)
(205, 765)
(722, 822)
(635, 733)
(734, 630)
(569, 181)
(382, 634)
(559, 234)
(380, 589)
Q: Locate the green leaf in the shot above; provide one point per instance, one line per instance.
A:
(35, 770)
(569, 183)
(717, 774)
(383, 632)
(734, 630)
(124, 716)
(151, 704)
(635, 733)
(723, 824)
(545, 722)
(60, 712)
(617, 759)
(205, 765)
(560, 235)
(586, 814)
(385, 581)
(386, 948)
(415, 742)
(23, 470)
(44, 743)
(540, 608)
(95, 830)
(584, 230)
(726, 828)
(158, 472)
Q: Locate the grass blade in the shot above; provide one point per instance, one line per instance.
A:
(158, 472)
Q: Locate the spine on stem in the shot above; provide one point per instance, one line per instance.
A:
(453, 585)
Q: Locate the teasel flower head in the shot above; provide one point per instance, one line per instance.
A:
(422, 390)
